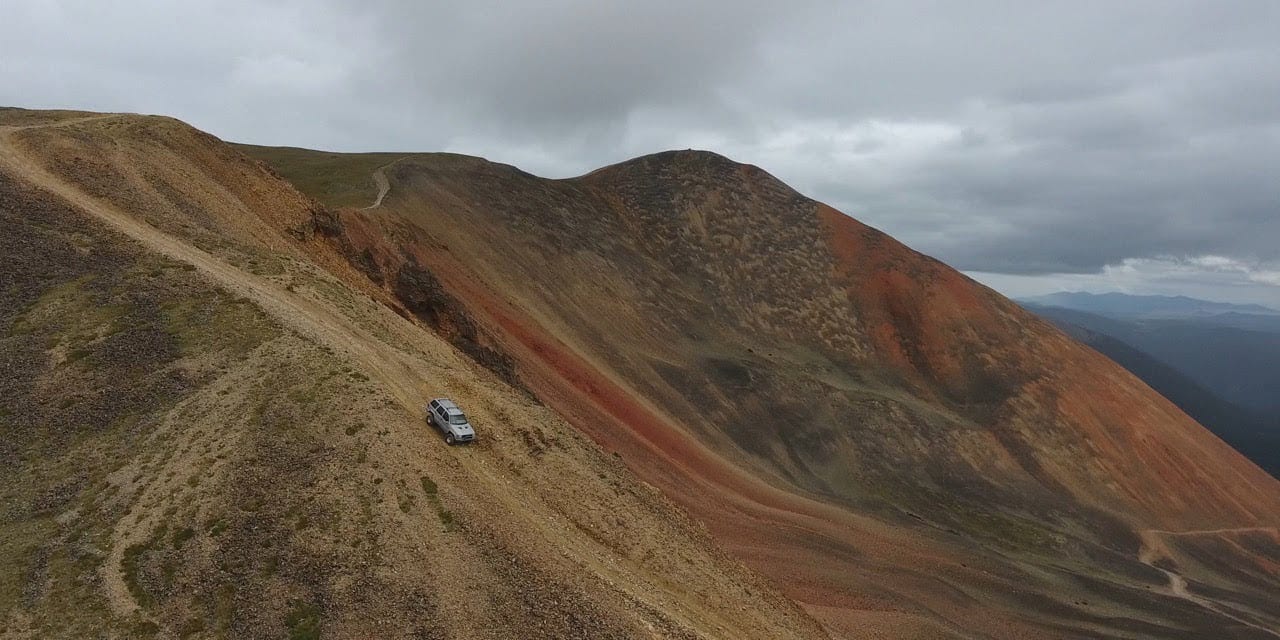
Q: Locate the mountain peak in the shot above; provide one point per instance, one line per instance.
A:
(688, 164)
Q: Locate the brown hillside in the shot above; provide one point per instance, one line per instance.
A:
(899, 447)
(207, 433)
(709, 407)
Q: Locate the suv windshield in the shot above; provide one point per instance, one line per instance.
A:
(457, 418)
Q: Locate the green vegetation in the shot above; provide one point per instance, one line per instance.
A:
(303, 621)
(1003, 529)
(336, 179)
(216, 527)
(19, 541)
(433, 496)
(224, 605)
(217, 322)
(145, 629)
(131, 565)
(99, 321)
(182, 536)
(70, 315)
(190, 628)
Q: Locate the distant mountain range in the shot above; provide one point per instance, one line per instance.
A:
(1214, 360)
(1132, 306)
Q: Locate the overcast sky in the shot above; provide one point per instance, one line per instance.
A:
(1096, 145)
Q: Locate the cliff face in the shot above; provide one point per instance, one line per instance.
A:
(886, 438)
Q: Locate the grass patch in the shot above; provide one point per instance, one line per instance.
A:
(303, 621)
(130, 564)
(79, 353)
(218, 321)
(225, 606)
(190, 628)
(181, 537)
(18, 544)
(430, 488)
(1007, 530)
(216, 528)
(73, 309)
(145, 629)
(336, 179)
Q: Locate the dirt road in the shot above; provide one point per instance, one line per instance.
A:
(1154, 549)
(380, 179)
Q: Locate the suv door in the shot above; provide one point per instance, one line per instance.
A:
(442, 417)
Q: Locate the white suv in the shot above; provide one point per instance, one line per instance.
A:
(447, 417)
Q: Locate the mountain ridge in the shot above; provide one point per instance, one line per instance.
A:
(1230, 354)
(298, 491)
(686, 378)
(652, 230)
(1130, 304)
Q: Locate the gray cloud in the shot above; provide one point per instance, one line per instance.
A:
(1017, 138)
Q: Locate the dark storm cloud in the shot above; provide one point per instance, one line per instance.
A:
(1007, 137)
(560, 64)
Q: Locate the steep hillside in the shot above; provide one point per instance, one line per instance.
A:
(1253, 435)
(1230, 353)
(902, 450)
(1237, 364)
(207, 432)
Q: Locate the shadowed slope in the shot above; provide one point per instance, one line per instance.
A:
(1253, 434)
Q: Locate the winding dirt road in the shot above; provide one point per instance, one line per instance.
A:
(1154, 549)
(380, 179)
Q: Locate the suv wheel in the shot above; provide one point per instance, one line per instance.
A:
(449, 438)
